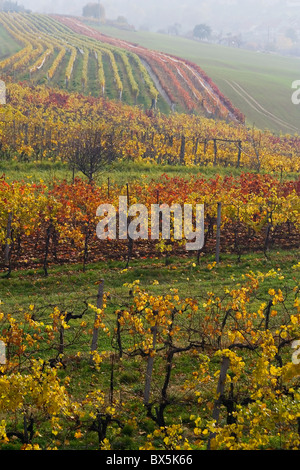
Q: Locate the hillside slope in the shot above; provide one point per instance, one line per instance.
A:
(7, 45)
(64, 52)
(186, 85)
(267, 78)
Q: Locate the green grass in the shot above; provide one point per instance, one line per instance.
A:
(8, 45)
(69, 286)
(119, 172)
(266, 77)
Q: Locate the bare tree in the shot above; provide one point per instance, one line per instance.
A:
(92, 149)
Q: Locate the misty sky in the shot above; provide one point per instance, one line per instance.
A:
(159, 14)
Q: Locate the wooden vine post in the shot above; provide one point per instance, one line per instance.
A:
(8, 242)
(182, 149)
(130, 241)
(218, 241)
(220, 394)
(239, 153)
(150, 364)
(94, 344)
(215, 152)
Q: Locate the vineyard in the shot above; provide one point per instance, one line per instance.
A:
(41, 123)
(70, 59)
(138, 344)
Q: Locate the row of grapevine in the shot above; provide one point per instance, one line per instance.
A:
(116, 75)
(60, 56)
(26, 55)
(29, 133)
(36, 38)
(133, 84)
(179, 78)
(41, 60)
(101, 74)
(45, 38)
(185, 85)
(70, 65)
(84, 80)
(144, 74)
(257, 212)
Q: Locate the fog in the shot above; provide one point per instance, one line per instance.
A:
(221, 15)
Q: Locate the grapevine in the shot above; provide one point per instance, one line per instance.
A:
(70, 65)
(61, 54)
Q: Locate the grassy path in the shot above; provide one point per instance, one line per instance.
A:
(69, 286)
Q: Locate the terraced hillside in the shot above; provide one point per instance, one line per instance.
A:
(257, 83)
(64, 52)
